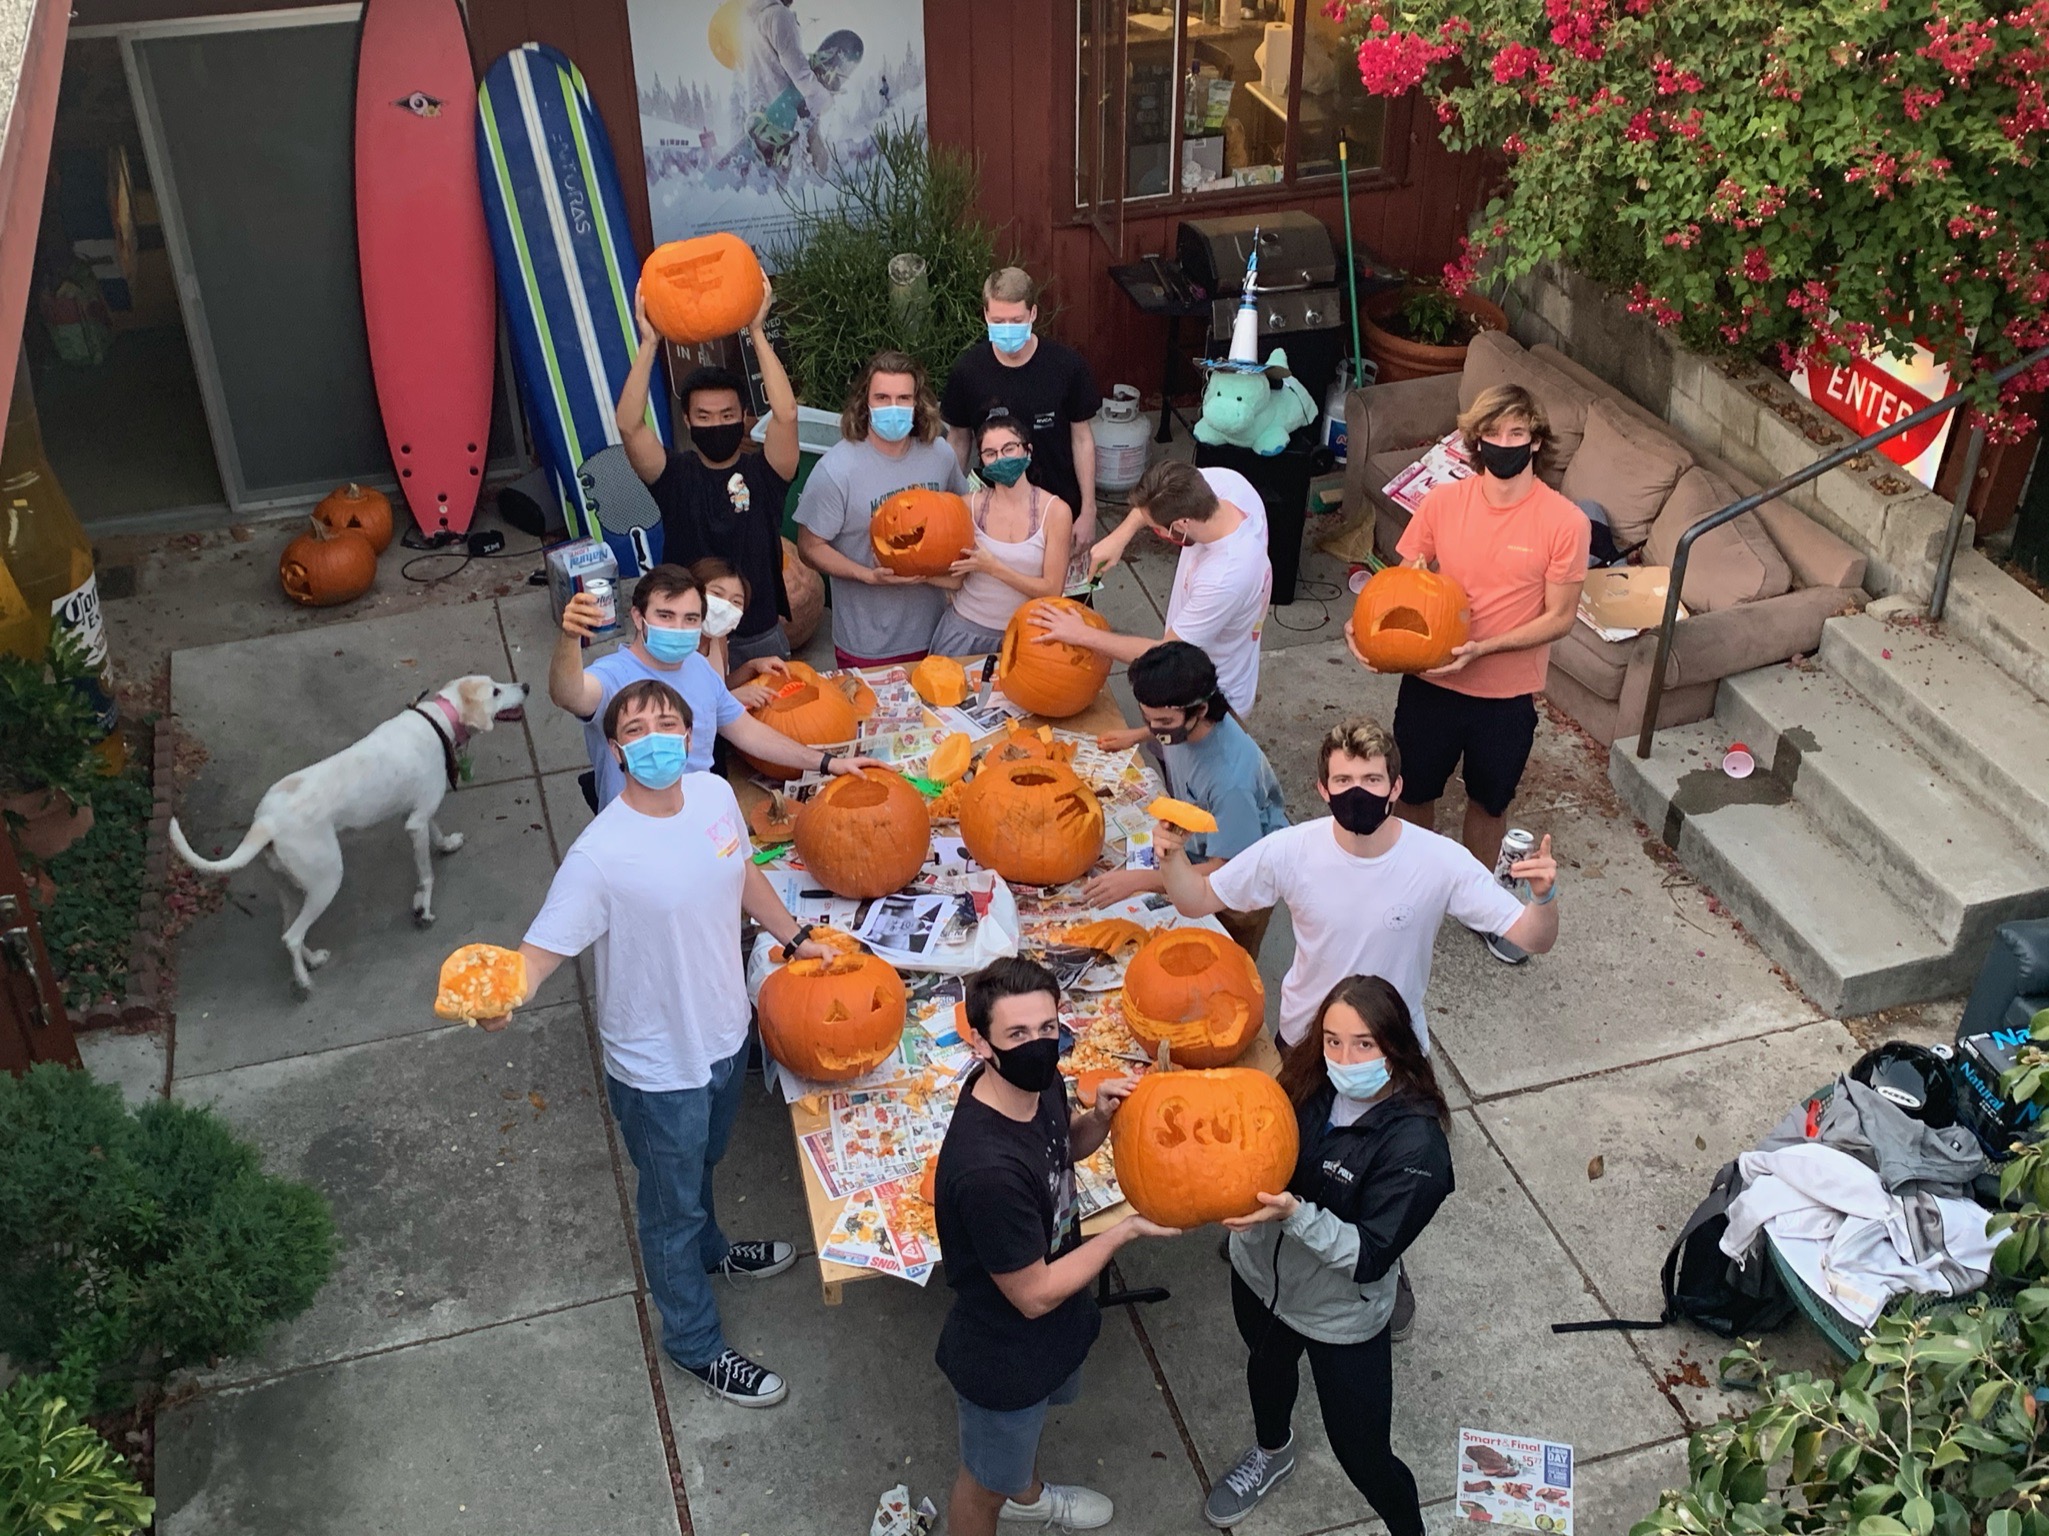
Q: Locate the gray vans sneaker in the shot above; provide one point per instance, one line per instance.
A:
(1240, 1490)
(1403, 1321)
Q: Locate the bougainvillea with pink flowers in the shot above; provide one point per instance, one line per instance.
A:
(1775, 179)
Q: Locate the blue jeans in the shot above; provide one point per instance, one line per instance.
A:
(675, 1140)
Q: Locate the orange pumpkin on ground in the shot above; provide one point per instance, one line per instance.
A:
(1179, 813)
(816, 712)
(702, 289)
(1407, 619)
(774, 820)
(950, 759)
(1020, 743)
(480, 981)
(919, 532)
(1051, 679)
(940, 681)
(1195, 1147)
(832, 1020)
(321, 568)
(1198, 991)
(359, 507)
(1033, 823)
(865, 834)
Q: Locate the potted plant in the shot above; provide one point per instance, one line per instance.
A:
(47, 764)
(1422, 329)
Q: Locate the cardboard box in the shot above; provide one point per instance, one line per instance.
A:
(1620, 603)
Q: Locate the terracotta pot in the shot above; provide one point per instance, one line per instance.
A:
(806, 589)
(50, 823)
(1400, 358)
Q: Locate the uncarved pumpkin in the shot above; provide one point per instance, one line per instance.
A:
(835, 1019)
(702, 289)
(919, 532)
(1407, 619)
(1195, 1147)
(321, 568)
(941, 681)
(806, 589)
(949, 760)
(480, 981)
(816, 713)
(1051, 679)
(1033, 823)
(865, 834)
(359, 507)
(1196, 990)
(774, 820)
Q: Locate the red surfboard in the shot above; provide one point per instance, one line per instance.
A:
(428, 300)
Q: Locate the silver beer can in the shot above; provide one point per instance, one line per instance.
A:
(605, 593)
(1516, 846)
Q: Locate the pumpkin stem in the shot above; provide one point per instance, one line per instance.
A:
(1164, 1059)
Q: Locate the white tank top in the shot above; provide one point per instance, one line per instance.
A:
(985, 600)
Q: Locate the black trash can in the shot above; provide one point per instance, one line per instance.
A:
(1282, 481)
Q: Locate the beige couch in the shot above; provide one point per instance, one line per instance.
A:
(1757, 590)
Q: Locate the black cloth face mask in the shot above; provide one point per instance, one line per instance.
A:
(1031, 1066)
(1504, 462)
(1360, 811)
(717, 444)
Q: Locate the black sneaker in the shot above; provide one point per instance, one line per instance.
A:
(755, 1260)
(1403, 1322)
(739, 1380)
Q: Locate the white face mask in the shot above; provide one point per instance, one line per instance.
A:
(720, 616)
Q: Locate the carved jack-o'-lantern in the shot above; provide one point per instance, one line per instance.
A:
(1198, 991)
(322, 567)
(832, 1020)
(1196, 1147)
(818, 712)
(1050, 678)
(919, 532)
(864, 834)
(1408, 619)
(1033, 823)
(359, 507)
(702, 289)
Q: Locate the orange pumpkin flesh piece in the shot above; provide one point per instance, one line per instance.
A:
(1112, 935)
(1179, 813)
(1050, 678)
(949, 760)
(920, 532)
(1407, 619)
(928, 1180)
(1086, 1084)
(864, 834)
(1019, 742)
(774, 821)
(480, 981)
(702, 289)
(1195, 1147)
(1034, 823)
(832, 1020)
(940, 681)
(1196, 990)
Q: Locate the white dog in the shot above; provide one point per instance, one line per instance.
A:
(406, 765)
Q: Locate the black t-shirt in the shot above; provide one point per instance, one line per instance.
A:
(705, 513)
(1006, 1200)
(1052, 391)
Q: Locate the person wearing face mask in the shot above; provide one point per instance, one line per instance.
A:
(718, 498)
(753, 682)
(1042, 383)
(1022, 535)
(657, 885)
(667, 621)
(1209, 760)
(1223, 578)
(1314, 1270)
(1519, 549)
(1024, 1316)
(888, 443)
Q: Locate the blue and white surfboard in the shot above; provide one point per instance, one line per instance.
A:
(566, 271)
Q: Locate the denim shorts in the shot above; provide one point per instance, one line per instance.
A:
(1001, 1450)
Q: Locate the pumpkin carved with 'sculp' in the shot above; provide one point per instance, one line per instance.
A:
(834, 1019)
(1197, 990)
(1195, 1147)
(864, 834)
(1407, 619)
(1033, 823)
(1050, 678)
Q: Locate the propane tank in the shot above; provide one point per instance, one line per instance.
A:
(1123, 437)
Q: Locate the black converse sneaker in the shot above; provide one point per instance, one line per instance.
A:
(739, 1380)
(755, 1260)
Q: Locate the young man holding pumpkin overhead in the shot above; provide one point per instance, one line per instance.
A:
(656, 887)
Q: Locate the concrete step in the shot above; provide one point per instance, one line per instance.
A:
(1980, 725)
(1840, 930)
(1942, 852)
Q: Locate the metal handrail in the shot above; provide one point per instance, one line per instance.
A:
(1793, 482)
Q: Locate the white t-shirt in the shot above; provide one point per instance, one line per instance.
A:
(1362, 917)
(1221, 591)
(659, 898)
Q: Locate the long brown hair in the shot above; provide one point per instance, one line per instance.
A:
(1376, 1001)
(925, 422)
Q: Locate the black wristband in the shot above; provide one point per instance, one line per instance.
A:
(803, 932)
(824, 762)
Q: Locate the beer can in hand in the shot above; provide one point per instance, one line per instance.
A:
(605, 593)
(1515, 847)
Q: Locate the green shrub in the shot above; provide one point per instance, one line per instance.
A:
(57, 1475)
(135, 1243)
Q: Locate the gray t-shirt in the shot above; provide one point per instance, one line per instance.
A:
(850, 482)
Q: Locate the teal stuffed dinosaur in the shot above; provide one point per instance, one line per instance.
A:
(1244, 410)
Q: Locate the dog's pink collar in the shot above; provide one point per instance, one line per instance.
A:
(458, 733)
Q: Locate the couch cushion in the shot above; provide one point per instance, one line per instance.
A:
(1495, 358)
(1737, 563)
(1817, 557)
(1627, 468)
(1595, 664)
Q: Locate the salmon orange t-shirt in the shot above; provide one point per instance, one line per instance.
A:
(1504, 557)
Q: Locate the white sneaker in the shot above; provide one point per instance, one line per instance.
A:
(1063, 1506)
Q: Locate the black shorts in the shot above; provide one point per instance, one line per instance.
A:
(1435, 727)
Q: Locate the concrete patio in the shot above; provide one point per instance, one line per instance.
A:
(481, 1359)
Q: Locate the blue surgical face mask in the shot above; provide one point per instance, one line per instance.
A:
(1357, 1079)
(891, 423)
(1007, 470)
(656, 759)
(1009, 335)
(669, 646)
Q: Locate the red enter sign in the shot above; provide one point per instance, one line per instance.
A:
(1868, 398)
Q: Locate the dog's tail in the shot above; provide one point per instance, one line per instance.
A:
(254, 841)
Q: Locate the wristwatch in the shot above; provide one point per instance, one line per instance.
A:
(825, 762)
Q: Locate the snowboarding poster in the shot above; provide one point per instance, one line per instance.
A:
(745, 104)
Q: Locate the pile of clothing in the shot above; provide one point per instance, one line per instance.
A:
(1864, 1202)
